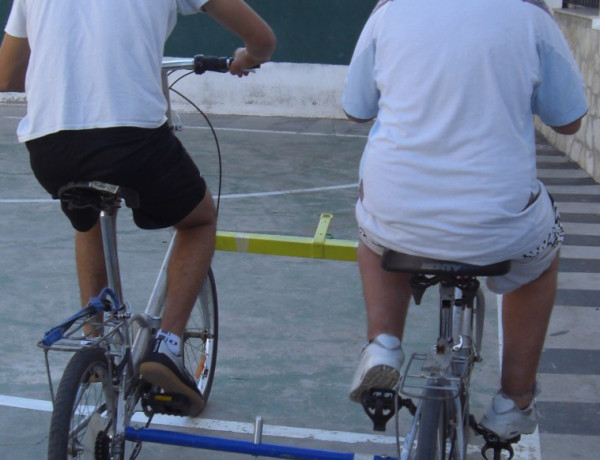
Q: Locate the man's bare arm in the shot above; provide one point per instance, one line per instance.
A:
(571, 128)
(357, 120)
(243, 21)
(14, 58)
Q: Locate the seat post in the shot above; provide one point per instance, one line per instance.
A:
(108, 226)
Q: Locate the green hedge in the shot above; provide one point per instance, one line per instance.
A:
(308, 31)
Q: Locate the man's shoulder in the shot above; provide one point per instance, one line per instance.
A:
(540, 4)
(379, 4)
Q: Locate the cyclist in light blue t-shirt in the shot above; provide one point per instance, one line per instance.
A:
(449, 170)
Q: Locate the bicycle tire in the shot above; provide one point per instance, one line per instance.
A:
(478, 320)
(200, 337)
(82, 418)
(438, 422)
(431, 434)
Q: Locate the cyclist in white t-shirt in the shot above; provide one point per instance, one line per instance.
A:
(91, 71)
(449, 170)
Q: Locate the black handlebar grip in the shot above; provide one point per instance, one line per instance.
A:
(214, 64)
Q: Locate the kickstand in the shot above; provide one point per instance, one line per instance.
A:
(380, 405)
(492, 441)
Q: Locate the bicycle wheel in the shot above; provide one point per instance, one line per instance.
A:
(438, 437)
(82, 420)
(201, 335)
(479, 311)
(432, 430)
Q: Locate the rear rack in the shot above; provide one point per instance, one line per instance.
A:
(421, 381)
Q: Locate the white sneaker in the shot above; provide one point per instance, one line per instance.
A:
(379, 366)
(506, 420)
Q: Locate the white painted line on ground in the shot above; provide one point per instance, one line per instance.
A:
(289, 192)
(27, 200)
(26, 403)
(223, 197)
(523, 451)
(272, 131)
(221, 425)
(268, 430)
(261, 131)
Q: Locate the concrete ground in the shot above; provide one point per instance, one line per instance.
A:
(291, 329)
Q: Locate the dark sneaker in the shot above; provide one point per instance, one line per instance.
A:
(164, 369)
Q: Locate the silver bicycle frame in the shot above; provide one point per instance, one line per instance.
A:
(456, 330)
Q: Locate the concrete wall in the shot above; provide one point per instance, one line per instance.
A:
(276, 89)
(581, 27)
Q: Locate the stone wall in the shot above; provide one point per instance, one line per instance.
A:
(580, 27)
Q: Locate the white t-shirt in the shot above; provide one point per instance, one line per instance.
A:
(449, 168)
(94, 63)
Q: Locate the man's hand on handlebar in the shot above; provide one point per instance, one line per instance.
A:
(243, 63)
(258, 37)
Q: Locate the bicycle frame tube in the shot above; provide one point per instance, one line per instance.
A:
(154, 308)
(446, 304)
(157, 298)
(108, 224)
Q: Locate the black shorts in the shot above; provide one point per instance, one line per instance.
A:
(151, 161)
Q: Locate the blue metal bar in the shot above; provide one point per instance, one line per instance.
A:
(237, 446)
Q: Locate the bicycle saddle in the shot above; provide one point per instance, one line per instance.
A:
(406, 263)
(97, 195)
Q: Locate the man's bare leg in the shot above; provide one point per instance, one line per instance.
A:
(91, 268)
(187, 270)
(526, 314)
(387, 295)
(89, 257)
(190, 261)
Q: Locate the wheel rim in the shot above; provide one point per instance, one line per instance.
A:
(90, 416)
(200, 338)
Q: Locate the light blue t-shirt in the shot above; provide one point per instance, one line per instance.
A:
(449, 168)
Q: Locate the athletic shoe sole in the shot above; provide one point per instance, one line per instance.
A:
(378, 376)
(163, 377)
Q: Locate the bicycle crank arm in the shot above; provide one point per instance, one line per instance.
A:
(380, 405)
(498, 446)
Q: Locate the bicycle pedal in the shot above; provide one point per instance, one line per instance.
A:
(167, 403)
(493, 441)
(380, 406)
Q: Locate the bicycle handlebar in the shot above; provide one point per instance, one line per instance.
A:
(200, 64)
(212, 63)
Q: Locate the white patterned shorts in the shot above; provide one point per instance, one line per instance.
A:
(523, 270)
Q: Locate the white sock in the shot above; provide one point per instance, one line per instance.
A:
(173, 341)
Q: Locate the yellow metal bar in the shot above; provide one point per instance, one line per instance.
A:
(318, 247)
(321, 235)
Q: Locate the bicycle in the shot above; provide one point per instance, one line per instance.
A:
(440, 378)
(101, 389)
